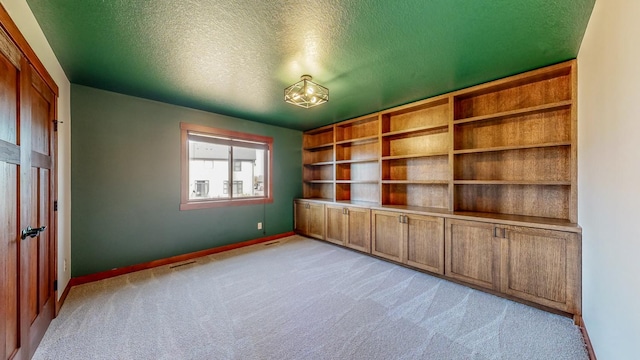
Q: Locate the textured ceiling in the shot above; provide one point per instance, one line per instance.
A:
(236, 57)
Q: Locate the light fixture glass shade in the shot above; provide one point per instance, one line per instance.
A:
(306, 93)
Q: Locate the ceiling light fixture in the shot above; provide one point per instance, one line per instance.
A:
(306, 93)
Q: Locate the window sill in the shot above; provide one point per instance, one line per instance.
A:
(206, 204)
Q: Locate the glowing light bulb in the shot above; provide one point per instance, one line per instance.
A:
(313, 99)
(296, 96)
(310, 91)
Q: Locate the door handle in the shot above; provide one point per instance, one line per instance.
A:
(31, 232)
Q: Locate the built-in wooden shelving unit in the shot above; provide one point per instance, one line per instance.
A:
(318, 159)
(514, 146)
(507, 147)
(478, 185)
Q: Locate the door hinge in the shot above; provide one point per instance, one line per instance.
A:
(55, 205)
(55, 285)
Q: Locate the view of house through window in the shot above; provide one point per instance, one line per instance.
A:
(216, 160)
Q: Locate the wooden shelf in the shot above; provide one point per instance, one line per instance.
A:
(417, 182)
(356, 181)
(318, 147)
(415, 130)
(319, 181)
(358, 129)
(511, 182)
(322, 163)
(396, 157)
(318, 139)
(358, 203)
(361, 140)
(322, 190)
(518, 112)
(519, 220)
(356, 161)
(514, 147)
(318, 199)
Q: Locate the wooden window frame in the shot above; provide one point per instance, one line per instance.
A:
(193, 204)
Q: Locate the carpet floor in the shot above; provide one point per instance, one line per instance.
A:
(298, 298)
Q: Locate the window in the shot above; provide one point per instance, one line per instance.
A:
(214, 158)
(237, 188)
(202, 188)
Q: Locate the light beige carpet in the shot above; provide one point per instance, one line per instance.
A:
(299, 299)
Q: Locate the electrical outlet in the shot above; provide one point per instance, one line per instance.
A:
(65, 265)
(259, 226)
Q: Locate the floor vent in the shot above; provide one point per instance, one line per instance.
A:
(183, 264)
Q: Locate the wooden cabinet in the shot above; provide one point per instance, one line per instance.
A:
(542, 266)
(349, 226)
(537, 265)
(336, 224)
(497, 160)
(424, 236)
(309, 218)
(472, 253)
(387, 237)
(415, 240)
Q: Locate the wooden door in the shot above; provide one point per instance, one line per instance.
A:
(387, 238)
(300, 220)
(358, 229)
(316, 220)
(472, 253)
(27, 146)
(425, 242)
(11, 75)
(38, 257)
(336, 229)
(542, 266)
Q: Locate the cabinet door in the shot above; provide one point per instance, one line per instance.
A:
(542, 266)
(387, 239)
(336, 226)
(472, 253)
(425, 242)
(315, 214)
(359, 229)
(300, 220)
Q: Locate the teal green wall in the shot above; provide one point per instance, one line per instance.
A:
(125, 172)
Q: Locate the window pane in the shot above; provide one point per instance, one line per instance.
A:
(248, 176)
(208, 170)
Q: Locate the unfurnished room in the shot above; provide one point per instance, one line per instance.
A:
(424, 179)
